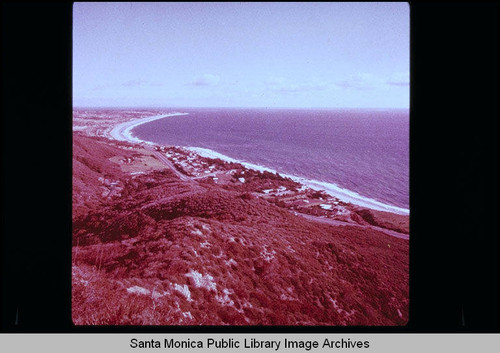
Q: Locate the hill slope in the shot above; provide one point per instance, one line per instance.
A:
(166, 252)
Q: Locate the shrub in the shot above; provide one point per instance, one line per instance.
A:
(247, 196)
(367, 216)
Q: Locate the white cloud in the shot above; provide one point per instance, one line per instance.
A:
(138, 82)
(275, 81)
(206, 80)
(134, 83)
(363, 81)
(100, 87)
(399, 79)
(281, 84)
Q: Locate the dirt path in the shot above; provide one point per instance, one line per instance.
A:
(334, 222)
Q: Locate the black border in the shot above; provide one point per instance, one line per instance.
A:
(454, 174)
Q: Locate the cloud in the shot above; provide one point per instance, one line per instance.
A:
(134, 83)
(128, 84)
(362, 81)
(280, 84)
(307, 87)
(367, 81)
(275, 81)
(100, 87)
(206, 80)
(399, 79)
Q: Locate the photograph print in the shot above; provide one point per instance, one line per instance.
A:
(242, 164)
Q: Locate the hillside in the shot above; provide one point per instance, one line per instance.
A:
(151, 249)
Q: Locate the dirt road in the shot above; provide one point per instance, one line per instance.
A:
(339, 223)
(170, 165)
(333, 222)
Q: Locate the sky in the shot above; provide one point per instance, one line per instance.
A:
(269, 55)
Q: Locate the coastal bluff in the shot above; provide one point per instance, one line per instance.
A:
(226, 246)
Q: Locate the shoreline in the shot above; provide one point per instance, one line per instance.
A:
(330, 188)
(123, 132)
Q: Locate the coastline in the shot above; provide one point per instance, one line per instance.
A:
(330, 188)
(205, 247)
(123, 132)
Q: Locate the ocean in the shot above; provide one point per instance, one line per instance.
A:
(360, 152)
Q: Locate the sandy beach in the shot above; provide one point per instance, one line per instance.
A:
(123, 132)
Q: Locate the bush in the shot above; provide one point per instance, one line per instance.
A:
(247, 196)
(319, 194)
(367, 216)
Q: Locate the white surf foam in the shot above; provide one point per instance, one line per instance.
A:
(123, 132)
(331, 188)
(349, 195)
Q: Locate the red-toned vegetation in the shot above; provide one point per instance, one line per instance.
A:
(167, 252)
(381, 219)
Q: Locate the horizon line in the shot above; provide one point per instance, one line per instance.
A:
(233, 107)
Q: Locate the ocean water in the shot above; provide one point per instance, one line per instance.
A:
(360, 151)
